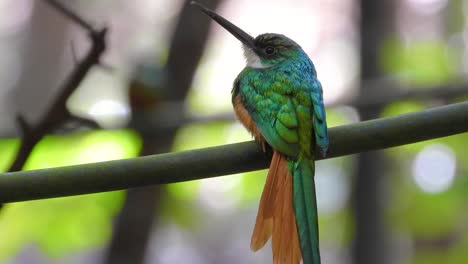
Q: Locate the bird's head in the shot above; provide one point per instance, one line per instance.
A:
(265, 50)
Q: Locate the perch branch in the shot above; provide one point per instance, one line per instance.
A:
(228, 159)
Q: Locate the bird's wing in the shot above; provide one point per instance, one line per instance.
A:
(279, 111)
(275, 117)
(318, 116)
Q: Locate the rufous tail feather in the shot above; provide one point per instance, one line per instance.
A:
(275, 217)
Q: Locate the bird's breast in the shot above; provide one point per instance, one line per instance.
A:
(245, 118)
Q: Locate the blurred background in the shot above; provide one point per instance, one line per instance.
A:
(168, 89)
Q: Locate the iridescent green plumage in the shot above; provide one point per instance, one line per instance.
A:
(279, 99)
(285, 101)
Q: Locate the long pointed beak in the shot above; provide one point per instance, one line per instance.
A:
(241, 35)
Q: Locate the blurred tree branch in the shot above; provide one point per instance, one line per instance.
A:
(57, 113)
(166, 116)
(169, 115)
(235, 158)
(71, 15)
(380, 93)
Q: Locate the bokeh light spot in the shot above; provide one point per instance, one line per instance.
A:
(214, 192)
(434, 168)
(427, 6)
(102, 151)
(109, 113)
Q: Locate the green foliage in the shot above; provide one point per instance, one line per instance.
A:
(59, 226)
(63, 225)
(337, 228)
(8, 148)
(338, 117)
(422, 214)
(419, 63)
(402, 107)
(434, 222)
(429, 219)
(80, 148)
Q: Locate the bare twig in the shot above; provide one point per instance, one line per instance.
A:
(57, 113)
(70, 14)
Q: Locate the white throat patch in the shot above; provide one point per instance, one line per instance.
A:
(253, 60)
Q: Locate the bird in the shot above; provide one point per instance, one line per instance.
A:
(279, 100)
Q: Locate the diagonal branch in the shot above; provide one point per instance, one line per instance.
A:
(234, 158)
(57, 113)
(70, 14)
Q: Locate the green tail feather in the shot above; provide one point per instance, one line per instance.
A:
(305, 208)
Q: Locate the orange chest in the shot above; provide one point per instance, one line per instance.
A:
(245, 118)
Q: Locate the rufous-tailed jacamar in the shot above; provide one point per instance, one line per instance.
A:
(278, 98)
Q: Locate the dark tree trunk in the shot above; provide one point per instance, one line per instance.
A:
(370, 241)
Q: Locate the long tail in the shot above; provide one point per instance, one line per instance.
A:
(275, 217)
(305, 207)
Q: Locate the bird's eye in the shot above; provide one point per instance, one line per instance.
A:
(269, 50)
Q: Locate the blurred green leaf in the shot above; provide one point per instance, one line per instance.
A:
(340, 116)
(337, 228)
(423, 215)
(8, 148)
(63, 225)
(419, 63)
(402, 107)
